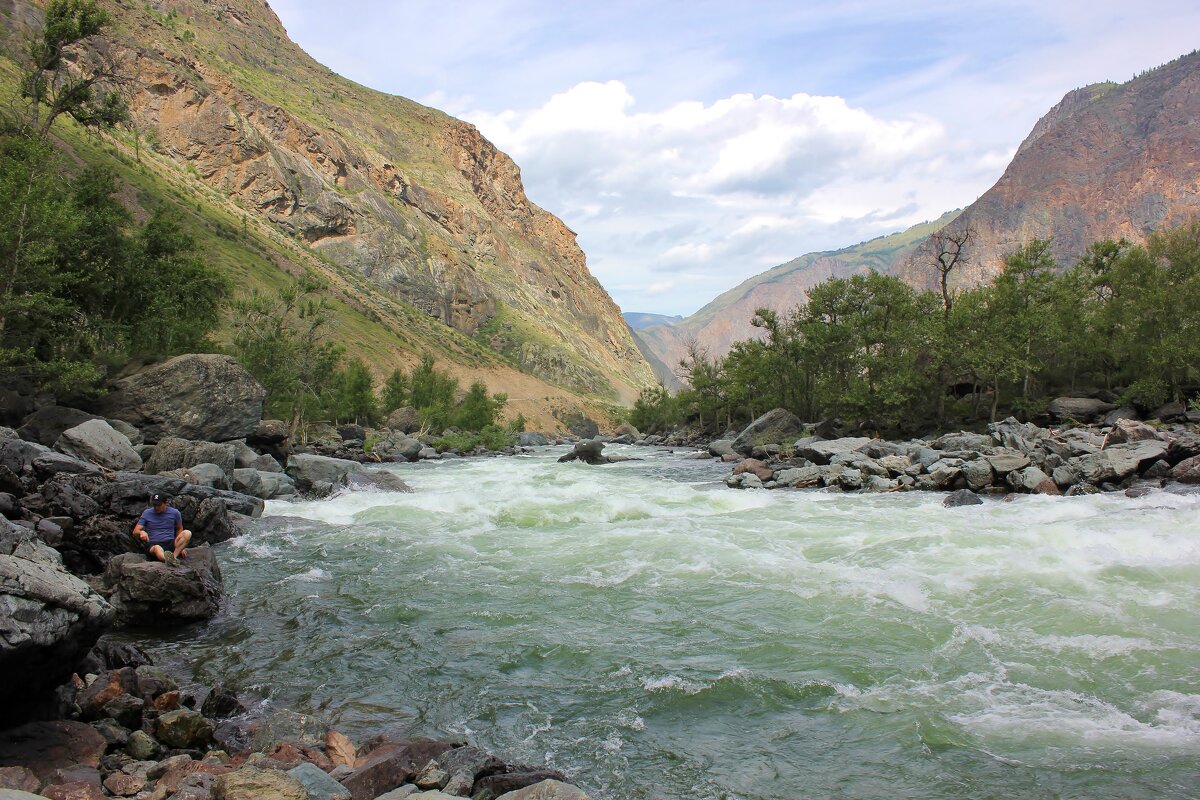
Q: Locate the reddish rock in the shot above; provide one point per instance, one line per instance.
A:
(122, 785)
(167, 701)
(44, 747)
(756, 468)
(74, 791)
(107, 687)
(391, 765)
(340, 749)
(19, 778)
(1187, 471)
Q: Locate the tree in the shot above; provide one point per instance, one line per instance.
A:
(433, 393)
(944, 252)
(477, 410)
(51, 84)
(395, 391)
(280, 340)
(355, 395)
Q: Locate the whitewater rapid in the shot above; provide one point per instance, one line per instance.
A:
(656, 634)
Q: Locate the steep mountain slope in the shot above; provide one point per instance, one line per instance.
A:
(1109, 161)
(408, 207)
(726, 320)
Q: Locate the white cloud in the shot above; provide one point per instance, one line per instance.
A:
(727, 185)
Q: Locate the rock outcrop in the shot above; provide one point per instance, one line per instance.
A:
(48, 620)
(146, 593)
(195, 396)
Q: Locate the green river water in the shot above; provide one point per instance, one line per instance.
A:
(657, 635)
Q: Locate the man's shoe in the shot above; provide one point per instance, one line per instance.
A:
(170, 559)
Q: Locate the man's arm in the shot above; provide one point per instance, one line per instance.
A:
(140, 532)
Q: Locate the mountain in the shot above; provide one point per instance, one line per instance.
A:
(1110, 161)
(419, 223)
(638, 319)
(726, 320)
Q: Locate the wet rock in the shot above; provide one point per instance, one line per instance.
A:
(318, 784)
(589, 452)
(142, 746)
(183, 729)
(1187, 471)
(962, 497)
(153, 594)
(221, 703)
(390, 765)
(154, 681)
(126, 710)
(492, 787)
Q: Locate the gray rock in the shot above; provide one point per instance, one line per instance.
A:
(405, 420)
(1119, 461)
(895, 464)
(173, 453)
(775, 427)
(148, 593)
(850, 480)
(799, 476)
(251, 783)
(944, 473)
(1117, 414)
(1080, 409)
(96, 441)
(210, 475)
(196, 396)
(183, 729)
(1065, 475)
(977, 473)
(313, 473)
(48, 620)
(532, 439)
(962, 440)
(822, 451)
(747, 480)
(1170, 412)
(401, 448)
(428, 454)
(1130, 430)
(962, 497)
(318, 784)
(1004, 461)
(1032, 481)
(1187, 471)
(720, 447)
(399, 793)
(589, 452)
(547, 790)
(877, 483)
(46, 424)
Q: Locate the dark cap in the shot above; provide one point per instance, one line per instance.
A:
(159, 497)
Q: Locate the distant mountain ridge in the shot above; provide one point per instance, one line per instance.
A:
(726, 319)
(1110, 161)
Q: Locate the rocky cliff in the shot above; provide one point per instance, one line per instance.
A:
(1110, 161)
(414, 202)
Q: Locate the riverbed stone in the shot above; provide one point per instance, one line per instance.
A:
(1187, 471)
(1004, 461)
(1080, 409)
(822, 451)
(1131, 430)
(391, 765)
(251, 783)
(548, 790)
(720, 447)
(184, 729)
(798, 476)
(44, 747)
(318, 784)
(945, 472)
(1119, 461)
(1033, 481)
(977, 473)
(755, 467)
(961, 497)
(19, 778)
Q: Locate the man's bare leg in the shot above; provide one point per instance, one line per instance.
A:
(181, 543)
(158, 553)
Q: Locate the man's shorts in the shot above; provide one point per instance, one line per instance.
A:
(166, 546)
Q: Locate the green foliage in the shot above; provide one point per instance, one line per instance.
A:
(460, 441)
(491, 437)
(395, 391)
(432, 393)
(280, 339)
(517, 424)
(872, 352)
(354, 397)
(52, 88)
(477, 410)
(81, 285)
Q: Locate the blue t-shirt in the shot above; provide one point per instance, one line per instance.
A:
(161, 527)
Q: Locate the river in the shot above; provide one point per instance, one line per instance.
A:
(658, 635)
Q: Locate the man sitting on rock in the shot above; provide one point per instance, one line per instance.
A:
(160, 528)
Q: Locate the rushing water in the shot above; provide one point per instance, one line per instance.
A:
(658, 635)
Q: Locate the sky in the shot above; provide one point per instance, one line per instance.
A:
(691, 145)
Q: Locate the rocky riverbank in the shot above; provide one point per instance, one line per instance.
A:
(89, 716)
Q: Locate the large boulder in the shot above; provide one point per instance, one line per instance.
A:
(45, 747)
(1187, 471)
(1119, 461)
(99, 443)
(589, 452)
(172, 453)
(820, 451)
(147, 593)
(391, 765)
(45, 425)
(405, 420)
(197, 396)
(1080, 409)
(323, 475)
(49, 619)
(774, 427)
